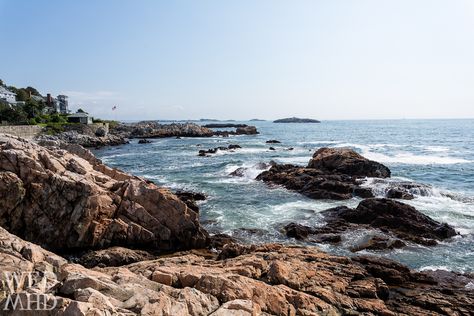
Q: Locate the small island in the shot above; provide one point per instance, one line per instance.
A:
(296, 120)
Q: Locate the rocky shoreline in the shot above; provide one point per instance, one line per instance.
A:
(121, 134)
(134, 248)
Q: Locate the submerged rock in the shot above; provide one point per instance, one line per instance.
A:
(69, 200)
(204, 153)
(273, 141)
(144, 141)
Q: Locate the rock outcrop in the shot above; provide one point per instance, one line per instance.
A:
(240, 130)
(256, 280)
(63, 198)
(153, 129)
(389, 224)
(331, 174)
(346, 161)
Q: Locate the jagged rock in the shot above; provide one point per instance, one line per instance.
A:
(271, 148)
(273, 141)
(397, 220)
(153, 129)
(331, 174)
(264, 279)
(347, 161)
(66, 201)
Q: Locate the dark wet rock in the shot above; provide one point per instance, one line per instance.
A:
(204, 153)
(396, 193)
(190, 199)
(240, 172)
(347, 161)
(144, 141)
(218, 241)
(312, 183)
(298, 231)
(241, 130)
(363, 192)
(273, 141)
(328, 238)
(291, 148)
(378, 242)
(113, 257)
(247, 130)
(224, 125)
(392, 217)
(271, 148)
(325, 177)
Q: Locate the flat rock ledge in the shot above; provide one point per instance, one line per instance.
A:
(332, 173)
(63, 198)
(247, 280)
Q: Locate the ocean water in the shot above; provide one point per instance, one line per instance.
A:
(439, 153)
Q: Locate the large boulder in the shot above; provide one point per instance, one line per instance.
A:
(400, 218)
(332, 173)
(68, 200)
(347, 161)
(388, 224)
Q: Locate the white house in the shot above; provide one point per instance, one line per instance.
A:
(7, 95)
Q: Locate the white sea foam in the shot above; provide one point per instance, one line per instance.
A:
(434, 268)
(403, 157)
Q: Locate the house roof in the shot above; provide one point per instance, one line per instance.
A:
(78, 115)
(6, 91)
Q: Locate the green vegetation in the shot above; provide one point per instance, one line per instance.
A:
(30, 110)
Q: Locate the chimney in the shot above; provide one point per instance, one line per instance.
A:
(49, 100)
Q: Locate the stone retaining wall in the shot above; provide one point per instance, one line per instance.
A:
(25, 131)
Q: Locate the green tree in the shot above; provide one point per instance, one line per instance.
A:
(22, 95)
(33, 91)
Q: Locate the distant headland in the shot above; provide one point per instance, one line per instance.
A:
(296, 120)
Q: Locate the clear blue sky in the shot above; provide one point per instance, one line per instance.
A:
(336, 59)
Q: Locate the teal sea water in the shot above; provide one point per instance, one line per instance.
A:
(439, 153)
